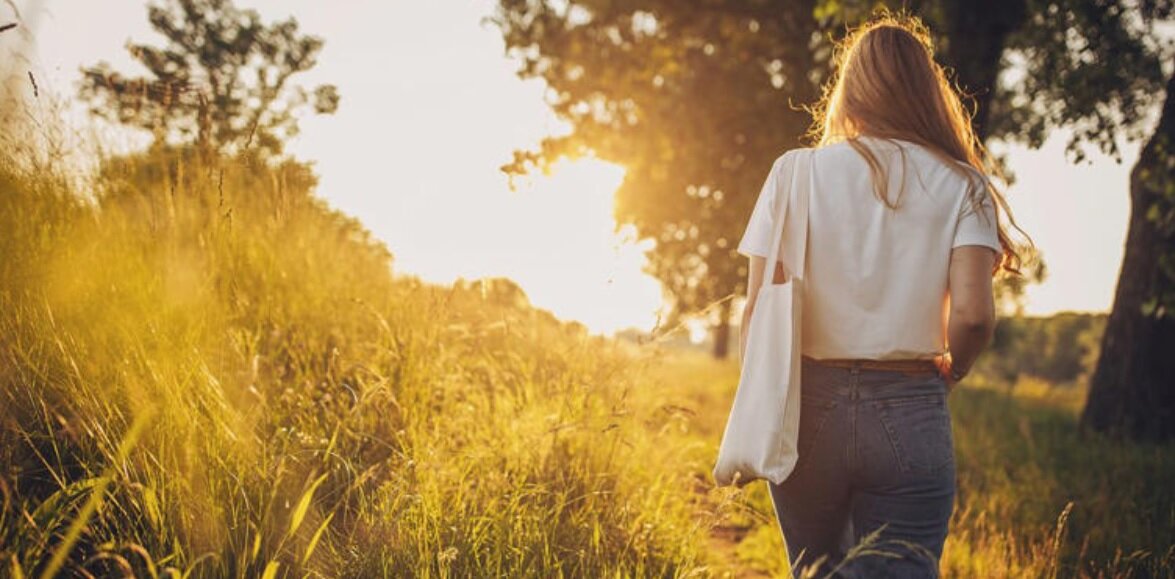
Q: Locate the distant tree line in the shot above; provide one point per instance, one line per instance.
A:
(1062, 348)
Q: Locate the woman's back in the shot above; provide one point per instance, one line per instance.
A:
(876, 279)
(886, 222)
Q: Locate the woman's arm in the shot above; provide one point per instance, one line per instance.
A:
(972, 307)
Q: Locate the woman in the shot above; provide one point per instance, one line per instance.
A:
(904, 240)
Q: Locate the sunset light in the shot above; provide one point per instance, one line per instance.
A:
(495, 288)
(413, 155)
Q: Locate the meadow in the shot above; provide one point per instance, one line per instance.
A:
(208, 372)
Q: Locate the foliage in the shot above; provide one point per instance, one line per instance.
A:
(1061, 348)
(1060, 55)
(696, 100)
(221, 80)
(691, 99)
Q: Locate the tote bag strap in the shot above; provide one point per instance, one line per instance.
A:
(798, 191)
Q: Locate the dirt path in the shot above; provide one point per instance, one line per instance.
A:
(723, 542)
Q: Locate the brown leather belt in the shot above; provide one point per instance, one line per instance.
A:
(912, 366)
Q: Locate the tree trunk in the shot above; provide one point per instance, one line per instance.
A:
(722, 331)
(1132, 391)
(975, 34)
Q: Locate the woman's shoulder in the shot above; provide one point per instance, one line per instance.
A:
(787, 159)
(846, 149)
(894, 150)
(836, 152)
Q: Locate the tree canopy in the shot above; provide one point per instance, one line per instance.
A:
(222, 79)
(696, 99)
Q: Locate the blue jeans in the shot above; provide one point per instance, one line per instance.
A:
(875, 454)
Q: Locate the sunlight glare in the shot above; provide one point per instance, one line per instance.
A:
(557, 238)
(563, 247)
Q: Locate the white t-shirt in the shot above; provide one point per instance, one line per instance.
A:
(876, 278)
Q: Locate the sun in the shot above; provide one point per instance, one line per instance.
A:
(564, 249)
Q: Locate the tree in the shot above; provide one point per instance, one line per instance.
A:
(1132, 392)
(221, 82)
(1058, 60)
(692, 99)
(696, 99)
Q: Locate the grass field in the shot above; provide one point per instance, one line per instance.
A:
(208, 372)
(1036, 497)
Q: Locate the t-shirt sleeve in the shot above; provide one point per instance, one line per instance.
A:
(977, 227)
(756, 240)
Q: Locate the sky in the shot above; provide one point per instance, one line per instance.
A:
(431, 108)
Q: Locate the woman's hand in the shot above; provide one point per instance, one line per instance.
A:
(946, 370)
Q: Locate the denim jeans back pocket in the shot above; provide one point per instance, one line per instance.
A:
(919, 430)
(814, 413)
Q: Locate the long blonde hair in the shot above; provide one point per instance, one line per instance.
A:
(887, 85)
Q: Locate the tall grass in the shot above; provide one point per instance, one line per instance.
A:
(1037, 497)
(205, 371)
(310, 413)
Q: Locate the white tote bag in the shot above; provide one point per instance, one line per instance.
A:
(764, 423)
